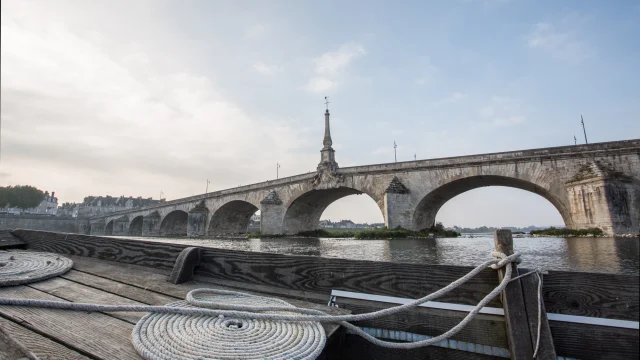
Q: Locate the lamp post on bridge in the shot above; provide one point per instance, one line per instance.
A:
(277, 170)
(161, 195)
(583, 129)
(395, 155)
(207, 189)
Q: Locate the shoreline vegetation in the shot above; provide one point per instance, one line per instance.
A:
(564, 232)
(437, 230)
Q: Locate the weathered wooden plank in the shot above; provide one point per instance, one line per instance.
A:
(9, 241)
(99, 335)
(9, 348)
(37, 346)
(546, 349)
(74, 292)
(590, 294)
(356, 347)
(515, 313)
(484, 329)
(119, 288)
(588, 342)
(321, 275)
(157, 255)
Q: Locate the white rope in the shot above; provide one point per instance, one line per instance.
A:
(172, 336)
(21, 267)
(209, 306)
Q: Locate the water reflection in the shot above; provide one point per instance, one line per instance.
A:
(606, 255)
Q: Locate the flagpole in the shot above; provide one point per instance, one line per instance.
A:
(583, 129)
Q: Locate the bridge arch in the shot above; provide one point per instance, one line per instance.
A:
(304, 212)
(108, 229)
(232, 218)
(174, 223)
(425, 212)
(135, 227)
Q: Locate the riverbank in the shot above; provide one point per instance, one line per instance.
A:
(376, 234)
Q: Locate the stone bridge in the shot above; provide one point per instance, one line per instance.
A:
(594, 185)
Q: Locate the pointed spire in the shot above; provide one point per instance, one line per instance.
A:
(327, 131)
(327, 154)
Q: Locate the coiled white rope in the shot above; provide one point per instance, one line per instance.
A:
(216, 306)
(21, 267)
(173, 336)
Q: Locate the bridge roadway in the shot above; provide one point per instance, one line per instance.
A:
(594, 185)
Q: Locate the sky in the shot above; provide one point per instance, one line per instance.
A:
(137, 97)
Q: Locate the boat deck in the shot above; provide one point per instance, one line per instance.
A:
(61, 334)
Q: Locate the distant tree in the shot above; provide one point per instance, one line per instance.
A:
(20, 196)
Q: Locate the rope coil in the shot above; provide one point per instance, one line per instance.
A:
(21, 267)
(173, 336)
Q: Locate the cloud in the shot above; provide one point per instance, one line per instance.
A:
(329, 68)
(265, 69)
(320, 85)
(85, 119)
(427, 71)
(254, 32)
(502, 111)
(562, 40)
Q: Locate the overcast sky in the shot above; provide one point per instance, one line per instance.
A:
(137, 97)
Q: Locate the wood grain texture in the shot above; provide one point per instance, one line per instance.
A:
(546, 348)
(321, 275)
(484, 329)
(156, 255)
(589, 294)
(356, 347)
(74, 292)
(9, 348)
(9, 241)
(102, 336)
(119, 288)
(37, 345)
(588, 342)
(515, 313)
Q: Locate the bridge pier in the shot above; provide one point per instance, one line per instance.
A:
(121, 226)
(96, 227)
(197, 221)
(272, 213)
(398, 210)
(601, 198)
(151, 224)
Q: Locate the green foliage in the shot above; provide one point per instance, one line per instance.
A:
(438, 230)
(328, 234)
(258, 234)
(20, 196)
(88, 199)
(552, 231)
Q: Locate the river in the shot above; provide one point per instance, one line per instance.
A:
(602, 255)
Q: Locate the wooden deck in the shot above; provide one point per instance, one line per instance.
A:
(122, 271)
(61, 334)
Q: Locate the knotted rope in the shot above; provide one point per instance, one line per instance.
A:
(256, 309)
(21, 267)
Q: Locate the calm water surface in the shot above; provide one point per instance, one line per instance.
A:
(604, 255)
